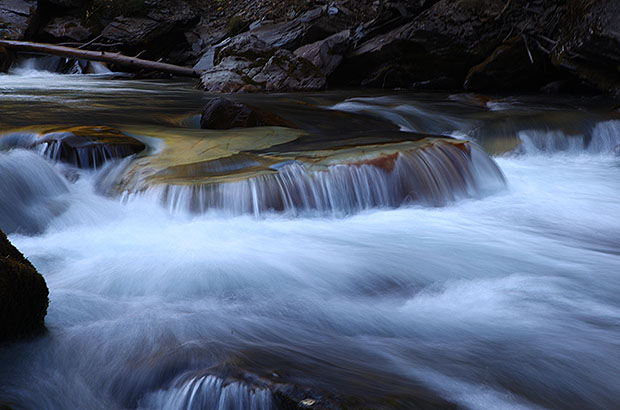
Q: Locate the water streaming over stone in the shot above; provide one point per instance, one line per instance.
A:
(433, 175)
(31, 192)
(208, 392)
(505, 297)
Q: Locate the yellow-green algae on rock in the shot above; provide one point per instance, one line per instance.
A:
(271, 169)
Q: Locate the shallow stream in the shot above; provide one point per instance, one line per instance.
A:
(506, 299)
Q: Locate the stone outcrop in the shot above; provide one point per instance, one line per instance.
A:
(327, 54)
(248, 64)
(18, 19)
(23, 294)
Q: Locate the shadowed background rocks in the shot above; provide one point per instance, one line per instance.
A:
(477, 45)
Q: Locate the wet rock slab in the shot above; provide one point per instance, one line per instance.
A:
(88, 146)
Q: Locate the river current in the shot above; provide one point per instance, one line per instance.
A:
(504, 300)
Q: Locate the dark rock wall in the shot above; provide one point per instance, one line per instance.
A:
(478, 45)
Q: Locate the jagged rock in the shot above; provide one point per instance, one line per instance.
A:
(89, 147)
(286, 72)
(391, 16)
(327, 54)
(249, 61)
(311, 26)
(246, 47)
(66, 28)
(18, 19)
(221, 113)
(221, 81)
(23, 294)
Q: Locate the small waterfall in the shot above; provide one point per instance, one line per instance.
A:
(60, 65)
(603, 138)
(91, 156)
(408, 117)
(208, 392)
(30, 192)
(433, 175)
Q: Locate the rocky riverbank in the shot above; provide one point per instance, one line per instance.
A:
(246, 46)
(23, 294)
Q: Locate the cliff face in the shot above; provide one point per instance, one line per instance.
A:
(23, 294)
(478, 45)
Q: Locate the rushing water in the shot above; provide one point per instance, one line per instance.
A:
(508, 300)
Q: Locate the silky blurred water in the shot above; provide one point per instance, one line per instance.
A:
(504, 302)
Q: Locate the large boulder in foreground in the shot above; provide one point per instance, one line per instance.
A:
(23, 294)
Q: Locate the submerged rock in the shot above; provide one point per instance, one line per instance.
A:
(87, 146)
(221, 113)
(23, 294)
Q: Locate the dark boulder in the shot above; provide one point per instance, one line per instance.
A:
(444, 41)
(6, 59)
(89, 147)
(18, 19)
(66, 4)
(65, 29)
(513, 66)
(23, 294)
(133, 31)
(589, 43)
(221, 113)
(156, 28)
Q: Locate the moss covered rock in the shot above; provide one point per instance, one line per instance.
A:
(23, 294)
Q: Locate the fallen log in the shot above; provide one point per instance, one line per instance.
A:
(115, 58)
